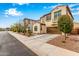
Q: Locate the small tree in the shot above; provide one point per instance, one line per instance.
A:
(23, 30)
(29, 33)
(65, 24)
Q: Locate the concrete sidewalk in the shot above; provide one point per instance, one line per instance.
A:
(42, 48)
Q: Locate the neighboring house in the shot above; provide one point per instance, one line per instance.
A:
(49, 22)
(28, 23)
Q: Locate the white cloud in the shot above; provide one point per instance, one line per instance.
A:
(75, 13)
(53, 6)
(50, 7)
(13, 12)
(75, 9)
(45, 7)
(23, 3)
(71, 5)
(14, 4)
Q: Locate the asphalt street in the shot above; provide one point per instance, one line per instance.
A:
(10, 46)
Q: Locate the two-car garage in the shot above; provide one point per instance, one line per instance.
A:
(53, 30)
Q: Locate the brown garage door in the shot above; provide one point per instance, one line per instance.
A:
(53, 30)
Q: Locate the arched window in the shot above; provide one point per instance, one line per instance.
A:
(35, 28)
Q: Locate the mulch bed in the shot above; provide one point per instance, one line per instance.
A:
(71, 43)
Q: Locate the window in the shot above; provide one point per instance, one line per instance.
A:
(57, 14)
(35, 28)
(48, 17)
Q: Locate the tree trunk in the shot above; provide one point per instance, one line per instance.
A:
(24, 32)
(65, 36)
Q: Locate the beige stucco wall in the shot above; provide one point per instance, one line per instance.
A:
(63, 12)
(69, 15)
(52, 22)
(38, 30)
(41, 28)
(76, 25)
(43, 19)
(47, 23)
(44, 29)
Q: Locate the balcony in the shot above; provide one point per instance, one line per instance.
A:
(54, 24)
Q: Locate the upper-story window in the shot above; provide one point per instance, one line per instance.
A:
(48, 17)
(57, 14)
(35, 28)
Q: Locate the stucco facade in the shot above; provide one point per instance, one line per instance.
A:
(52, 22)
(44, 20)
(39, 28)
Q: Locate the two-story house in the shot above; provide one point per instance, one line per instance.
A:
(49, 22)
(51, 19)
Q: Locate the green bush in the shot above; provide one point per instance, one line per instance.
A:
(29, 32)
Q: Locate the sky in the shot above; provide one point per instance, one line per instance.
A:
(11, 13)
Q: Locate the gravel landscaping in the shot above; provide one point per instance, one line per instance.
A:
(71, 43)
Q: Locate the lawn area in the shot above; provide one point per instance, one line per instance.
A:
(72, 42)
